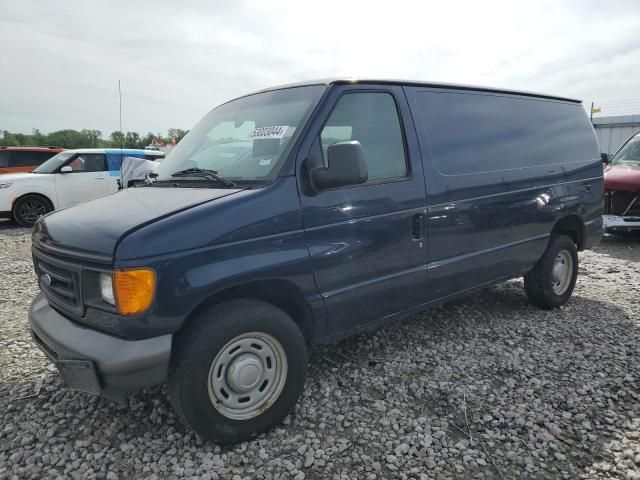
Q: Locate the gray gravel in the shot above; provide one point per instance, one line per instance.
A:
(487, 387)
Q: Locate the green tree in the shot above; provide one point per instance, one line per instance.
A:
(67, 139)
(177, 134)
(87, 138)
(116, 139)
(9, 139)
(22, 138)
(92, 137)
(146, 140)
(132, 140)
(38, 137)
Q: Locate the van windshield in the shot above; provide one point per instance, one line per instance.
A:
(54, 162)
(244, 140)
(629, 154)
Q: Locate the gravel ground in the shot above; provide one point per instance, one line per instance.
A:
(487, 387)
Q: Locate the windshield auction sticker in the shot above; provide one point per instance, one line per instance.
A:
(276, 131)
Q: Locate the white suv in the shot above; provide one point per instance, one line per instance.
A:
(70, 177)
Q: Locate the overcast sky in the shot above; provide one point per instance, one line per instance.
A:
(61, 61)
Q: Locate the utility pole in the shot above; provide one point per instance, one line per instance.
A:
(121, 132)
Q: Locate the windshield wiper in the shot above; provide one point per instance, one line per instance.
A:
(203, 172)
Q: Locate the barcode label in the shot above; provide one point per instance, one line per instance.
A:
(276, 131)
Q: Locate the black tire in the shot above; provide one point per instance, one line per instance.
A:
(29, 208)
(539, 282)
(196, 349)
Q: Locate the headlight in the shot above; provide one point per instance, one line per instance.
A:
(106, 288)
(5, 185)
(130, 291)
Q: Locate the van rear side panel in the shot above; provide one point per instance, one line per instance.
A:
(500, 170)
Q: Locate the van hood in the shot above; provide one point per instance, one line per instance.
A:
(93, 229)
(622, 177)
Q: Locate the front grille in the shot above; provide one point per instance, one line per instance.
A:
(60, 282)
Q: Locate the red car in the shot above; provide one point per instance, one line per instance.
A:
(25, 159)
(622, 187)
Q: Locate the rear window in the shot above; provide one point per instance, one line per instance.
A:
(474, 132)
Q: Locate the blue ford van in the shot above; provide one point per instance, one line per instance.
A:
(302, 214)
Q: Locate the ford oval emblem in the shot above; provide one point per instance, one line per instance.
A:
(46, 279)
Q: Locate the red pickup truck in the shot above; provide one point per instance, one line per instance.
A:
(622, 187)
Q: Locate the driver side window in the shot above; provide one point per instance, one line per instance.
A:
(372, 119)
(89, 162)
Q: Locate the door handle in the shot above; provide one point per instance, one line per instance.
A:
(417, 226)
(99, 177)
(585, 188)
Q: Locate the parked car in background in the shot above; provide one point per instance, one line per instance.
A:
(622, 187)
(24, 159)
(68, 178)
(333, 208)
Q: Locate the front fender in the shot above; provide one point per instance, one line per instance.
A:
(21, 190)
(187, 280)
(252, 236)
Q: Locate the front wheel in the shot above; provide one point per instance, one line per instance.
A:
(551, 282)
(237, 371)
(28, 209)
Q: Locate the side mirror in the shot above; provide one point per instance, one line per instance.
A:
(345, 166)
(66, 169)
(605, 158)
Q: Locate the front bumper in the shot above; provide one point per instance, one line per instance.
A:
(617, 222)
(95, 362)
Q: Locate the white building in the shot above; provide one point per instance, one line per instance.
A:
(613, 131)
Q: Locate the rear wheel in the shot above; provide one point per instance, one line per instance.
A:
(238, 370)
(28, 209)
(551, 282)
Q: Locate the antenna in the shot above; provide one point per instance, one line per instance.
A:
(121, 133)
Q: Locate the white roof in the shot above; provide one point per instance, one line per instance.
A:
(114, 150)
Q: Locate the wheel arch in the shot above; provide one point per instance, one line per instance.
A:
(280, 293)
(573, 227)
(36, 194)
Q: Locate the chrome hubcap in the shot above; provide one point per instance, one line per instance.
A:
(247, 376)
(562, 272)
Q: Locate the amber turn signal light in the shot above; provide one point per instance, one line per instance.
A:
(134, 290)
